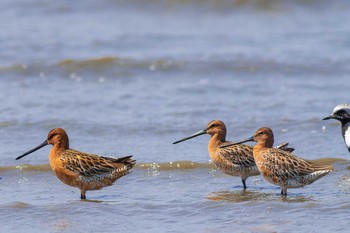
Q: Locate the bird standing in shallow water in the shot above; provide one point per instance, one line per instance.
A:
(82, 170)
(342, 113)
(236, 160)
(281, 168)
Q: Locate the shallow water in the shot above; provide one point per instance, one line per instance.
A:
(131, 77)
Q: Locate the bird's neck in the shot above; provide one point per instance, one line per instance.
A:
(215, 141)
(258, 149)
(264, 144)
(57, 149)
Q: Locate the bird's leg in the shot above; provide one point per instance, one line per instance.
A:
(244, 185)
(284, 191)
(82, 195)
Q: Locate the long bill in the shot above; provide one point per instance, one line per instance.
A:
(45, 143)
(204, 131)
(329, 117)
(251, 139)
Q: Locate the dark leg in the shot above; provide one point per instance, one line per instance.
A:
(283, 192)
(82, 195)
(243, 182)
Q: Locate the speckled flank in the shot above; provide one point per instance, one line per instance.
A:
(282, 168)
(235, 160)
(82, 170)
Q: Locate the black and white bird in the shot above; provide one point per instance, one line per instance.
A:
(342, 113)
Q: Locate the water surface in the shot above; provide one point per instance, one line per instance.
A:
(131, 77)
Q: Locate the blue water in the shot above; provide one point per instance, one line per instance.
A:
(131, 77)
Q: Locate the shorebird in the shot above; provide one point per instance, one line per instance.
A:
(236, 160)
(82, 170)
(281, 168)
(342, 113)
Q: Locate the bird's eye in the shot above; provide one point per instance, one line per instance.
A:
(52, 135)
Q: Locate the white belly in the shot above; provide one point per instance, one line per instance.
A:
(347, 137)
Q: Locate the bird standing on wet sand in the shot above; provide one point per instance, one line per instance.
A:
(281, 168)
(82, 170)
(342, 113)
(236, 160)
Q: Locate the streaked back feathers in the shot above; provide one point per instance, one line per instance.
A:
(89, 164)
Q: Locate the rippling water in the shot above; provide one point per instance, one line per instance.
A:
(131, 77)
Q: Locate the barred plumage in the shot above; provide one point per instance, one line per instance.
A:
(82, 170)
(235, 160)
(282, 168)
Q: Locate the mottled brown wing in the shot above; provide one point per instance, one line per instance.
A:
(128, 161)
(87, 164)
(286, 165)
(241, 155)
